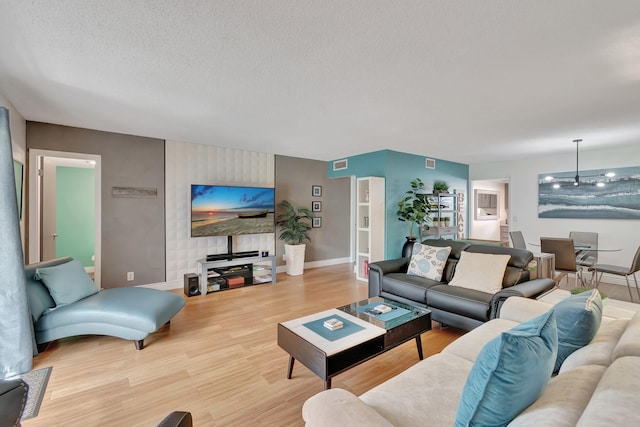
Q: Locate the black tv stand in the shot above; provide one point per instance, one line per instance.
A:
(206, 265)
(229, 257)
(246, 254)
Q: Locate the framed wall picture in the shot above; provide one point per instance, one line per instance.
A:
(599, 197)
(317, 222)
(316, 190)
(316, 206)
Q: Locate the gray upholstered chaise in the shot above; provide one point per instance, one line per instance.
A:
(129, 313)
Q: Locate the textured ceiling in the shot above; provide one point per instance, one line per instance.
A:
(467, 81)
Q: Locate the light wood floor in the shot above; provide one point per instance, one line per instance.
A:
(218, 359)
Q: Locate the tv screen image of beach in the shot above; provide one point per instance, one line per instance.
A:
(227, 210)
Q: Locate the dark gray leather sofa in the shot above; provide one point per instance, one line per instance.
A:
(450, 305)
(13, 398)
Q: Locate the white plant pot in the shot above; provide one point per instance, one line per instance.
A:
(294, 255)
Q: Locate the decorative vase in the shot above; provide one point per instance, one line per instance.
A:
(294, 255)
(407, 248)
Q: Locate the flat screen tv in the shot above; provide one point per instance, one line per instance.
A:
(218, 210)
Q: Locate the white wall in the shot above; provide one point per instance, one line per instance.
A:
(523, 188)
(188, 164)
(18, 128)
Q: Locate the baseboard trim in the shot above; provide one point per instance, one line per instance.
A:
(178, 284)
(315, 264)
(164, 286)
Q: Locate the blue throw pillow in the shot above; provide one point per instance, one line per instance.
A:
(578, 318)
(67, 283)
(428, 261)
(509, 373)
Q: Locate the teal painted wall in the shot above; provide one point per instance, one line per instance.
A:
(370, 164)
(399, 169)
(75, 213)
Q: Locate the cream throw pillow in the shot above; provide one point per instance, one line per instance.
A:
(428, 261)
(482, 272)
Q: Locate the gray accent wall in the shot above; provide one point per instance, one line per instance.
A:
(294, 179)
(133, 228)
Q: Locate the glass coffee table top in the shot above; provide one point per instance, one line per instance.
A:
(388, 320)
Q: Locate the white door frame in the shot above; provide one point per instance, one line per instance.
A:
(353, 222)
(35, 198)
(504, 201)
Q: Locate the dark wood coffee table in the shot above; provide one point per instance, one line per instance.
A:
(329, 358)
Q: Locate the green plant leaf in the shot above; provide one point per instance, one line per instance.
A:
(415, 207)
(295, 223)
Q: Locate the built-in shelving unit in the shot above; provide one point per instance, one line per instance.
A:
(370, 216)
(445, 216)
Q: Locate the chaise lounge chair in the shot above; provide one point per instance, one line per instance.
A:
(129, 313)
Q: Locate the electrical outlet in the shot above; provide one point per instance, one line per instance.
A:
(284, 257)
(130, 276)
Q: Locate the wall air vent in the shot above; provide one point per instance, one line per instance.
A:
(339, 165)
(430, 163)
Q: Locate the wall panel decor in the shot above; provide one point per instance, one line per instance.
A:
(596, 196)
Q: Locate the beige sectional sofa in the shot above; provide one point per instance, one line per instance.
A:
(598, 385)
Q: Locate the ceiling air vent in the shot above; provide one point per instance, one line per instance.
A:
(339, 165)
(430, 163)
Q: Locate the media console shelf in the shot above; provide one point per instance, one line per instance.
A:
(207, 266)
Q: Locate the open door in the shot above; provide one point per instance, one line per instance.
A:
(64, 208)
(490, 210)
(48, 236)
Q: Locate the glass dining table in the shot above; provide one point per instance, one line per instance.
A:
(586, 256)
(579, 247)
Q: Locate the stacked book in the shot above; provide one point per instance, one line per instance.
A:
(333, 324)
(382, 308)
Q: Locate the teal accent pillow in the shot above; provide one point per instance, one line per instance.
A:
(428, 261)
(578, 318)
(67, 283)
(509, 373)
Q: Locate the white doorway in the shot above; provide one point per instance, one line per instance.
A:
(43, 203)
(493, 227)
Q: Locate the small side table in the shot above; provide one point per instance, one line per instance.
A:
(546, 265)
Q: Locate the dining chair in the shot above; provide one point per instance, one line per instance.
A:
(585, 257)
(619, 271)
(517, 240)
(565, 255)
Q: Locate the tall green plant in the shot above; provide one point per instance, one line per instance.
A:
(295, 223)
(415, 207)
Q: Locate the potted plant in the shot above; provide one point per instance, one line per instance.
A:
(579, 290)
(440, 187)
(414, 208)
(295, 223)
